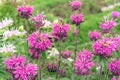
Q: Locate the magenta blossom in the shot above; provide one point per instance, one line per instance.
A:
(66, 54)
(115, 14)
(75, 5)
(105, 47)
(60, 31)
(114, 78)
(38, 20)
(107, 25)
(76, 18)
(25, 11)
(83, 63)
(52, 67)
(114, 67)
(14, 61)
(38, 43)
(25, 72)
(94, 35)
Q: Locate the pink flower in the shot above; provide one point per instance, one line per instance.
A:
(114, 67)
(38, 43)
(75, 5)
(25, 11)
(38, 21)
(83, 63)
(25, 72)
(115, 14)
(75, 32)
(107, 25)
(60, 31)
(14, 61)
(76, 18)
(52, 67)
(105, 47)
(94, 35)
(66, 54)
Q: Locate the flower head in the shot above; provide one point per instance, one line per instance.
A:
(52, 67)
(75, 5)
(115, 14)
(76, 18)
(114, 67)
(94, 35)
(25, 72)
(38, 20)
(60, 31)
(6, 22)
(14, 61)
(107, 25)
(7, 49)
(83, 63)
(66, 54)
(105, 47)
(25, 11)
(38, 43)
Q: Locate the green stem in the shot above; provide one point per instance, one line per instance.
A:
(100, 74)
(59, 62)
(39, 68)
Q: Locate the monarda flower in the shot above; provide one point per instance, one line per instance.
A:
(25, 72)
(83, 63)
(94, 35)
(107, 25)
(114, 67)
(76, 18)
(66, 54)
(105, 47)
(25, 11)
(19, 69)
(115, 14)
(6, 22)
(38, 43)
(11, 63)
(114, 78)
(75, 5)
(52, 67)
(60, 31)
(38, 21)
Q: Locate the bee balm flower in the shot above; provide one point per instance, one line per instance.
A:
(83, 63)
(75, 5)
(115, 14)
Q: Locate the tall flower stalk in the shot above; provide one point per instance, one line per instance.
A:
(39, 68)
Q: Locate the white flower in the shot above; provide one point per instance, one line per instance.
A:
(6, 22)
(70, 59)
(47, 23)
(53, 52)
(7, 49)
(8, 34)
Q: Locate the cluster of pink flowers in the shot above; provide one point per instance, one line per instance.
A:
(66, 54)
(76, 18)
(83, 63)
(60, 31)
(115, 14)
(25, 11)
(19, 70)
(38, 20)
(107, 25)
(75, 5)
(94, 35)
(52, 67)
(114, 67)
(115, 78)
(38, 43)
(106, 46)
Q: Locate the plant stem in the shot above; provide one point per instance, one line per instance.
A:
(39, 68)
(100, 74)
(59, 62)
(76, 42)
